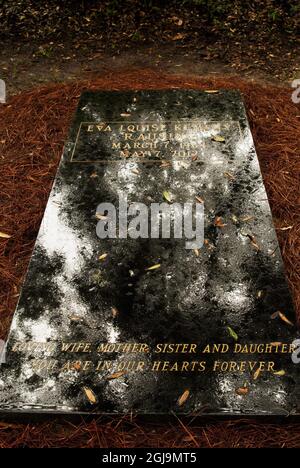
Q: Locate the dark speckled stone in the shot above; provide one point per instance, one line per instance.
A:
(237, 280)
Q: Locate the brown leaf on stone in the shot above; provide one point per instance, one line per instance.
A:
(275, 315)
(153, 267)
(229, 175)
(182, 399)
(90, 395)
(253, 241)
(219, 223)
(178, 37)
(285, 319)
(77, 366)
(218, 139)
(76, 318)
(165, 164)
(114, 312)
(115, 375)
(246, 218)
(103, 256)
(280, 373)
(242, 391)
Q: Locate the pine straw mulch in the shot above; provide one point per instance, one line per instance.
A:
(33, 126)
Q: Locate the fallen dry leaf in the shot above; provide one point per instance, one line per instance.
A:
(114, 312)
(275, 315)
(218, 138)
(4, 235)
(286, 228)
(242, 391)
(246, 218)
(182, 399)
(178, 37)
(101, 216)
(232, 333)
(153, 267)
(90, 395)
(103, 256)
(219, 223)
(167, 196)
(280, 373)
(165, 164)
(76, 318)
(285, 319)
(115, 375)
(253, 241)
(229, 175)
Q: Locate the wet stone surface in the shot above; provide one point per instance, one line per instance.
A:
(83, 293)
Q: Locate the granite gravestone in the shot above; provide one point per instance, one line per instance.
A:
(121, 324)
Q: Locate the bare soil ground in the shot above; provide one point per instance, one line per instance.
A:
(27, 66)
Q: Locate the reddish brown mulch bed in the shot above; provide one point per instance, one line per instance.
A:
(33, 127)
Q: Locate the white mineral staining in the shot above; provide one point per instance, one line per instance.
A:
(91, 114)
(242, 145)
(113, 333)
(16, 326)
(51, 384)
(121, 394)
(27, 371)
(194, 291)
(234, 299)
(121, 175)
(226, 383)
(57, 236)
(41, 329)
(278, 395)
(238, 298)
(178, 165)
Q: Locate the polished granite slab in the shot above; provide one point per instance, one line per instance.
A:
(146, 325)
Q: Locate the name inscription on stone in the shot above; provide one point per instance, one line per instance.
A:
(151, 141)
